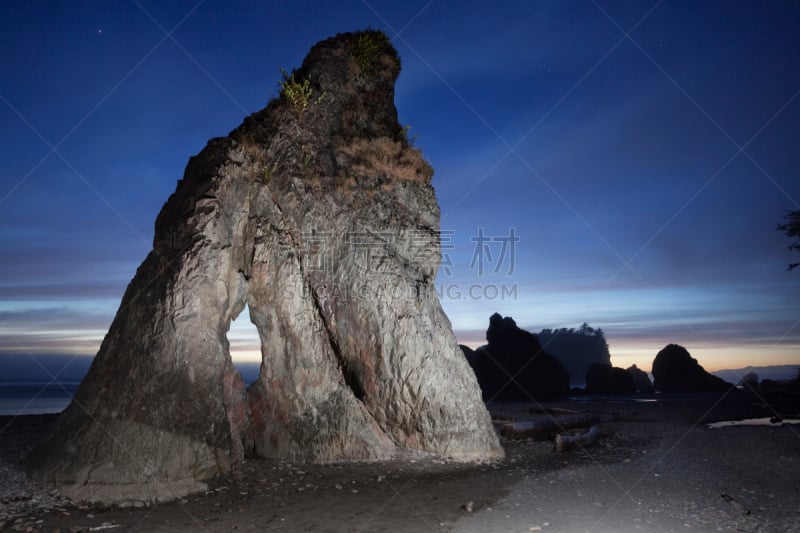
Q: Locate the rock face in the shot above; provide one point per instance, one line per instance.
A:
(514, 367)
(641, 380)
(674, 370)
(606, 379)
(318, 214)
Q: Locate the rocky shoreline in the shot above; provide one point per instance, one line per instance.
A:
(23, 503)
(657, 467)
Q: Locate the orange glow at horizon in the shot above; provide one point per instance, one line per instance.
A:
(711, 357)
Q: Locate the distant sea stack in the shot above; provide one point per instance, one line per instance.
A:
(317, 214)
(640, 380)
(577, 349)
(674, 370)
(514, 367)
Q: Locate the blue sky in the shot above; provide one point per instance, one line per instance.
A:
(642, 153)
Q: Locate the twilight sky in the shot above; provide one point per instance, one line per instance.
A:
(621, 163)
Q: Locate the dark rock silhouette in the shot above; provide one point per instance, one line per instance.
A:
(576, 349)
(772, 386)
(317, 214)
(469, 353)
(514, 367)
(749, 381)
(674, 370)
(641, 380)
(606, 379)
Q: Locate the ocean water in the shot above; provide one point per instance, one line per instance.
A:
(41, 396)
(35, 397)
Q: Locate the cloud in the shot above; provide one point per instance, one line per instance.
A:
(722, 322)
(55, 291)
(31, 327)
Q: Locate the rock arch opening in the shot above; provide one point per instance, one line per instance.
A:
(245, 346)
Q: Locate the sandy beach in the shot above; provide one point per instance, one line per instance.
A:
(656, 467)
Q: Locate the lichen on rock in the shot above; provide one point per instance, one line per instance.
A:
(325, 224)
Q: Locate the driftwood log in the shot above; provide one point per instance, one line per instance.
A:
(548, 428)
(583, 440)
(537, 410)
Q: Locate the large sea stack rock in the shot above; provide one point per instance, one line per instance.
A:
(674, 370)
(514, 367)
(317, 214)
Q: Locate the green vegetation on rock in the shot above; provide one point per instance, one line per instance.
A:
(300, 94)
(367, 47)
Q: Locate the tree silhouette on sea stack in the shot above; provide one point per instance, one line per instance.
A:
(792, 230)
